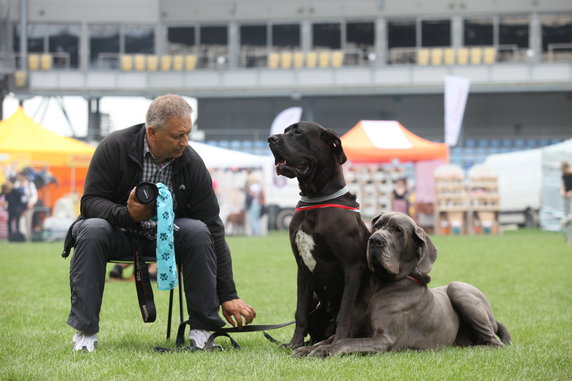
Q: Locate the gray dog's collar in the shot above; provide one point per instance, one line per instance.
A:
(313, 200)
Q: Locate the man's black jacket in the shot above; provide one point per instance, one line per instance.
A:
(117, 167)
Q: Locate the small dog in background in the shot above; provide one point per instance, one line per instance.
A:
(235, 223)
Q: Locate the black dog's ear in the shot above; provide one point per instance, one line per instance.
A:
(427, 251)
(335, 144)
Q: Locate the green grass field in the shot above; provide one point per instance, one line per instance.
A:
(525, 274)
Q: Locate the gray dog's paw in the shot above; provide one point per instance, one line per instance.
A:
(322, 351)
(302, 351)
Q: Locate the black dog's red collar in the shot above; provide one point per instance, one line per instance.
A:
(301, 208)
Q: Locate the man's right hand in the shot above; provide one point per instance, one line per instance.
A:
(138, 211)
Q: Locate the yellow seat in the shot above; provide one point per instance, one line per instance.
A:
(311, 59)
(20, 78)
(337, 58)
(152, 62)
(490, 55)
(46, 61)
(178, 62)
(166, 63)
(126, 62)
(462, 56)
(436, 56)
(273, 60)
(476, 55)
(33, 61)
(285, 60)
(423, 57)
(190, 62)
(324, 59)
(139, 62)
(449, 56)
(298, 60)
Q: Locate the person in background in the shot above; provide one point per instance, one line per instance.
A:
(157, 151)
(566, 187)
(255, 203)
(29, 193)
(12, 201)
(400, 196)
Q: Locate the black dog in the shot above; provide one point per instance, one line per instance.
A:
(327, 235)
(401, 311)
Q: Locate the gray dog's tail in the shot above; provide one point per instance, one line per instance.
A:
(502, 333)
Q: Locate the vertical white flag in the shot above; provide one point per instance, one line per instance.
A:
(456, 92)
(284, 119)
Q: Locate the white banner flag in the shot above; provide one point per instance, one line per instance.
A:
(456, 92)
(284, 119)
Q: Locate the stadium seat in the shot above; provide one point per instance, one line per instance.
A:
(286, 60)
(46, 61)
(152, 62)
(462, 56)
(166, 63)
(190, 62)
(178, 63)
(298, 60)
(126, 62)
(311, 59)
(489, 55)
(33, 62)
(324, 59)
(449, 56)
(436, 56)
(476, 54)
(423, 57)
(273, 60)
(337, 58)
(139, 62)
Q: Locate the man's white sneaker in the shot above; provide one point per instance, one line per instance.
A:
(198, 337)
(82, 341)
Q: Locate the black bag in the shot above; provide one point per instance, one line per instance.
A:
(17, 237)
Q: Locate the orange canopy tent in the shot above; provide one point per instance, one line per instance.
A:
(23, 142)
(381, 141)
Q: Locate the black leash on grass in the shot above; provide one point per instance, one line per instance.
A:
(210, 344)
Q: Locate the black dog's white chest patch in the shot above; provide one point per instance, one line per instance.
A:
(305, 244)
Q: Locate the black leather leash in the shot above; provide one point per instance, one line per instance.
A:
(143, 284)
(210, 344)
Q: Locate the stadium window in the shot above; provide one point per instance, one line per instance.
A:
(37, 34)
(104, 46)
(435, 33)
(401, 41)
(478, 32)
(180, 39)
(213, 41)
(63, 44)
(326, 36)
(253, 44)
(557, 36)
(360, 42)
(139, 39)
(514, 31)
(286, 36)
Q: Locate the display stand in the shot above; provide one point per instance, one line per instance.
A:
(483, 201)
(450, 200)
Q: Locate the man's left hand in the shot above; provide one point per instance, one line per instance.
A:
(235, 310)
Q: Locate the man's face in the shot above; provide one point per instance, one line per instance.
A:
(170, 141)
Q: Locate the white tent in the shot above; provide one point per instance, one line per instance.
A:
(216, 157)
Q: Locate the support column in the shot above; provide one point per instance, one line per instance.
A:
(93, 120)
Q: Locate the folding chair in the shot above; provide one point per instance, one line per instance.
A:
(131, 260)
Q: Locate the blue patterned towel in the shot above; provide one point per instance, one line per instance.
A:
(166, 263)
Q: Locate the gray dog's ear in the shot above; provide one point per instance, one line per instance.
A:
(427, 251)
(335, 144)
(375, 219)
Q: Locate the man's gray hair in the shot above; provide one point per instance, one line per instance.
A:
(165, 107)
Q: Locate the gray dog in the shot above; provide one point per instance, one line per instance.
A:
(401, 311)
